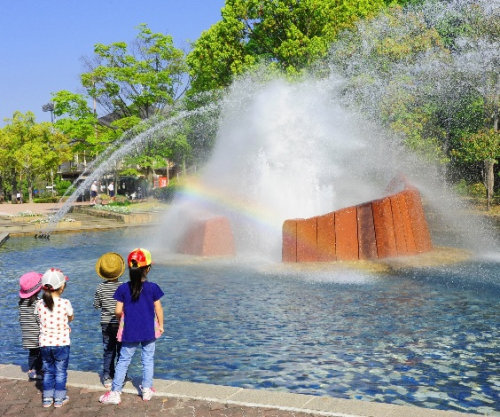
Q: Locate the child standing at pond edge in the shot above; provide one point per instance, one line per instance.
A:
(30, 286)
(54, 314)
(109, 267)
(139, 299)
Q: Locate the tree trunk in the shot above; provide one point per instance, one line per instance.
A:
(13, 191)
(30, 189)
(490, 180)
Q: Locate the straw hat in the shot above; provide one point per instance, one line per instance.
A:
(110, 266)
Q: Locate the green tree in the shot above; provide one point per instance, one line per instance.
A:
(131, 83)
(138, 80)
(79, 122)
(483, 146)
(378, 59)
(34, 149)
(289, 34)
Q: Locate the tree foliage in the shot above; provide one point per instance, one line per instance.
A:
(289, 34)
(139, 79)
(32, 150)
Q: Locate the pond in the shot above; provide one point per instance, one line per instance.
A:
(425, 337)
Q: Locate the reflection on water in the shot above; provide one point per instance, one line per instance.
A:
(422, 338)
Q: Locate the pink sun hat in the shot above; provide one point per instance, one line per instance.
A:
(30, 284)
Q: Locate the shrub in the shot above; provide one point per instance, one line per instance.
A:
(62, 186)
(462, 188)
(477, 190)
(121, 203)
(46, 200)
(166, 193)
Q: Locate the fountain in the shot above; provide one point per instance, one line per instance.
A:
(388, 227)
(421, 335)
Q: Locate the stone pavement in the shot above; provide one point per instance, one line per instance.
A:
(22, 397)
(84, 218)
(43, 208)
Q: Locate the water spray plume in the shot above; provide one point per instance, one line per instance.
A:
(288, 150)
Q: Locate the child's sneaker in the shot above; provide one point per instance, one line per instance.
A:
(147, 393)
(107, 382)
(33, 375)
(111, 397)
(47, 402)
(59, 402)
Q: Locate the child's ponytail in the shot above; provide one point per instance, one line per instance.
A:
(47, 296)
(139, 263)
(136, 273)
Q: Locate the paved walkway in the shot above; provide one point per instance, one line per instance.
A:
(182, 399)
(12, 227)
(43, 208)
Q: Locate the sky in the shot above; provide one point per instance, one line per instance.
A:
(42, 42)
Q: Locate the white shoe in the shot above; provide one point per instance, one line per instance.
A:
(147, 393)
(111, 397)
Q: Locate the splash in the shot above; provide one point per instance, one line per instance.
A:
(152, 130)
(294, 150)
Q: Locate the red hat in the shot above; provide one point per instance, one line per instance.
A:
(141, 256)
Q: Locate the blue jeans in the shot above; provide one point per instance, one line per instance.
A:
(147, 359)
(111, 348)
(55, 364)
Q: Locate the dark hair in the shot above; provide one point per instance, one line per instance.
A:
(31, 299)
(47, 296)
(136, 273)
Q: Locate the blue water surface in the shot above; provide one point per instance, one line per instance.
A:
(425, 337)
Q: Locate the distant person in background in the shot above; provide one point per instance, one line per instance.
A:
(93, 193)
(111, 189)
(18, 197)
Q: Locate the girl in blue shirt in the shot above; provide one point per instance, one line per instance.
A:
(139, 301)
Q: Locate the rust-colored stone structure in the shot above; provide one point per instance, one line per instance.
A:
(391, 226)
(209, 237)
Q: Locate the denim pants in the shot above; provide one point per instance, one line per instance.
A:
(55, 364)
(111, 348)
(147, 359)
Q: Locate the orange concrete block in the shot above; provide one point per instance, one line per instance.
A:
(411, 249)
(366, 232)
(384, 228)
(289, 249)
(397, 217)
(421, 235)
(326, 237)
(219, 239)
(192, 241)
(211, 237)
(346, 234)
(307, 235)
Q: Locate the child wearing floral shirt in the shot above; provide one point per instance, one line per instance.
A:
(54, 315)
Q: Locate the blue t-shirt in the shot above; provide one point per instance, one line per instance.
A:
(139, 314)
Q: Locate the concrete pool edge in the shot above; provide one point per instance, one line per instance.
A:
(315, 405)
